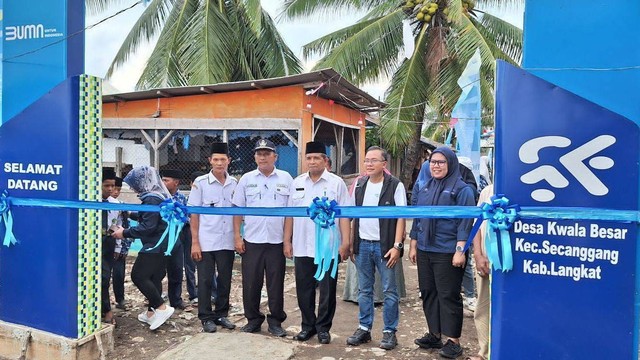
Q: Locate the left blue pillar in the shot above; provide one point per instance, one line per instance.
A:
(50, 140)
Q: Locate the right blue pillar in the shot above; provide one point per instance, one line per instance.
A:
(567, 136)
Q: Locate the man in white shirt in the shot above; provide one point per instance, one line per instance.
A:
(378, 244)
(261, 247)
(212, 244)
(317, 182)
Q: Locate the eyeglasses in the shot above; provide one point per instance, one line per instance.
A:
(372, 161)
(437, 162)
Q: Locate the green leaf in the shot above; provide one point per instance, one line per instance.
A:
(406, 99)
(368, 54)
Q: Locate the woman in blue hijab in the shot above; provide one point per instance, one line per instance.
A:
(436, 246)
(150, 265)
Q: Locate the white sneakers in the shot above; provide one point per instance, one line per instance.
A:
(159, 317)
(470, 303)
(142, 317)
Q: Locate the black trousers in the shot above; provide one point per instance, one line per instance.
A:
(107, 266)
(306, 292)
(189, 264)
(147, 274)
(119, 266)
(258, 261)
(222, 261)
(440, 283)
(175, 266)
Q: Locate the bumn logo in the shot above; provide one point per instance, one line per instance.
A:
(573, 161)
(23, 32)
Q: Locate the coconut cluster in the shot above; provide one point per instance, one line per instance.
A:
(468, 5)
(427, 10)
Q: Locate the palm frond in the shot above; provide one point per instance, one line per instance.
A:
(370, 53)
(292, 9)
(207, 41)
(495, 49)
(254, 13)
(148, 25)
(507, 4)
(162, 68)
(97, 6)
(506, 36)
(248, 65)
(380, 10)
(276, 57)
(327, 42)
(462, 43)
(406, 99)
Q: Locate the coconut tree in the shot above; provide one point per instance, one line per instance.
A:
(445, 33)
(204, 42)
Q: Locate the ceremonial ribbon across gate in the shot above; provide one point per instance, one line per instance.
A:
(499, 215)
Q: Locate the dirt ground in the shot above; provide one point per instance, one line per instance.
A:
(135, 341)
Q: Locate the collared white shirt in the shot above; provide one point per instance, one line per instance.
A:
(257, 190)
(115, 217)
(114, 214)
(303, 191)
(215, 231)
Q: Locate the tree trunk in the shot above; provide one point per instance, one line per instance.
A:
(412, 155)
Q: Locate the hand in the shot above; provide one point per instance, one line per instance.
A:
(352, 255)
(393, 254)
(196, 251)
(482, 265)
(287, 249)
(118, 234)
(344, 251)
(413, 255)
(459, 259)
(239, 244)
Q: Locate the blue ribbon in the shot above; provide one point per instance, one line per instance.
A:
(175, 215)
(378, 212)
(500, 217)
(323, 213)
(6, 220)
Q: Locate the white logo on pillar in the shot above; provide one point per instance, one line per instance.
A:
(573, 161)
(22, 32)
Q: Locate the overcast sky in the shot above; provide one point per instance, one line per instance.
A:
(103, 41)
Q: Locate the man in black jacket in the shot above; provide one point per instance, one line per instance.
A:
(377, 243)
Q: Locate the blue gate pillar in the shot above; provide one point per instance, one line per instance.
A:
(567, 136)
(50, 139)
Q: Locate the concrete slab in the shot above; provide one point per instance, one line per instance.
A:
(22, 342)
(234, 345)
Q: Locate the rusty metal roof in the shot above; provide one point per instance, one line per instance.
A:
(335, 88)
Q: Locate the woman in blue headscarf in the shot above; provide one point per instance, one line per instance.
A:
(436, 246)
(150, 265)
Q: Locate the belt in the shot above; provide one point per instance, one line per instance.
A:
(370, 241)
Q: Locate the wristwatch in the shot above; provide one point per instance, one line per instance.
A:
(459, 248)
(398, 246)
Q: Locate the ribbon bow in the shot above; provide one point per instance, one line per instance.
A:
(500, 217)
(323, 213)
(175, 215)
(6, 220)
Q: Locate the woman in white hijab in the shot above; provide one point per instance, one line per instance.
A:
(149, 268)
